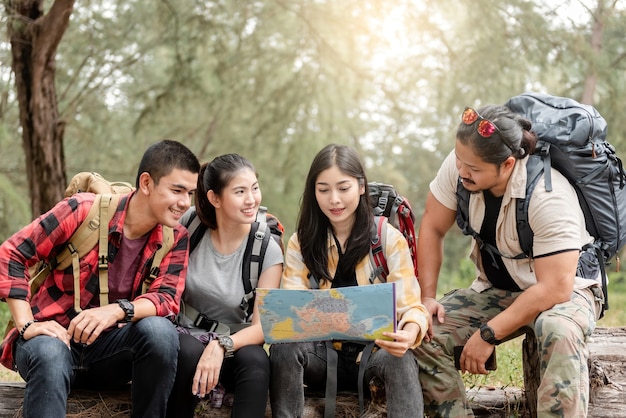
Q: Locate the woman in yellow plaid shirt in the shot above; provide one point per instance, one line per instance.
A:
(336, 220)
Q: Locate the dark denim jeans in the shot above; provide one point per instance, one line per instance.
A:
(295, 364)
(144, 352)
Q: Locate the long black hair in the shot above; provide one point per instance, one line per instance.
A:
(313, 226)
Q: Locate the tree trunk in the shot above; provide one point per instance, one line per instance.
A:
(597, 32)
(34, 39)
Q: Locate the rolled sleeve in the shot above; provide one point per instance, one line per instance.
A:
(409, 307)
(295, 273)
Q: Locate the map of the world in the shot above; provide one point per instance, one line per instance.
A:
(359, 313)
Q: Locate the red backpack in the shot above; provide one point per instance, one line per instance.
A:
(390, 206)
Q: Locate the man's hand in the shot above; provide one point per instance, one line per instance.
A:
(435, 309)
(49, 328)
(475, 355)
(89, 324)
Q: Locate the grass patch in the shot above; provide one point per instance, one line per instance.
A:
(509, 372)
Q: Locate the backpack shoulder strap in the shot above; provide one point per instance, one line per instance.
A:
(535, 166)
(462, 220)
(166, 247)
(93, 230)
(258, 240)
(196, 230)
(314, 283)
(107, 207)
(377, 249)
(83, 237)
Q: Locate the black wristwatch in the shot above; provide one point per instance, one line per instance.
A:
(128, 308)
(229, 347)
(487, 333)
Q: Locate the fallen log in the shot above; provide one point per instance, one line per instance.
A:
(607, 364)
(486, 402)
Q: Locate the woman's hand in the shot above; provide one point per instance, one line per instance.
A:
(435, 309)
(208, 369)
(402, 339)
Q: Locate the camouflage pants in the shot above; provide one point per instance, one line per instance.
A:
(561, 335)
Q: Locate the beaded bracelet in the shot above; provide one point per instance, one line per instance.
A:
(25, 327)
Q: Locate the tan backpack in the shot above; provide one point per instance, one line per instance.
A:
(90, 233)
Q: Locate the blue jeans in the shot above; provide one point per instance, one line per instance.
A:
(296, 364)
(144, 352)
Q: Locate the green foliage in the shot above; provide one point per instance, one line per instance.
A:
(5, 315)
(275, 81)
(616, 314)
(509, 372)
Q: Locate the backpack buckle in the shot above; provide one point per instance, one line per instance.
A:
(202, 321)
(103, 263)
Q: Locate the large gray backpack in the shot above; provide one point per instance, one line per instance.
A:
(572, 139)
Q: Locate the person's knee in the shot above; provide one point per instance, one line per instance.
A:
(253, 360)
(556, 327)
(254, 355)
(45, 356)
(397, 368)
(279, 353)
(158, 328)
(159, 335)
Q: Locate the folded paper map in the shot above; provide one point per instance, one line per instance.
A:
(356, 313)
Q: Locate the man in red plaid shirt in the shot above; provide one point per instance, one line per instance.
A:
(54, 347)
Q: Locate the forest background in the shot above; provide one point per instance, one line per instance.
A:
(87, 85)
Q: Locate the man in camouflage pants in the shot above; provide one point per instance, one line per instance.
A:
(548, 292)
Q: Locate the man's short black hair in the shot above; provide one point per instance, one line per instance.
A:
(162, 157)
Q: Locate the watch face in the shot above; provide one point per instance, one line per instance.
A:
(126, 305)
(226, 342)
(128, 308)
(487, 333)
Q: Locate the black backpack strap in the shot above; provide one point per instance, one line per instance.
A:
(462, 220)
(258, 240)
(535, 166)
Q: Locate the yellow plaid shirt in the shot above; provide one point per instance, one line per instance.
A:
(409, 306)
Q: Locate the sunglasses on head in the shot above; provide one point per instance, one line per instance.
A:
(485, 127)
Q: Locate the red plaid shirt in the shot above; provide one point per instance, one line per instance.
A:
(48, 234)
